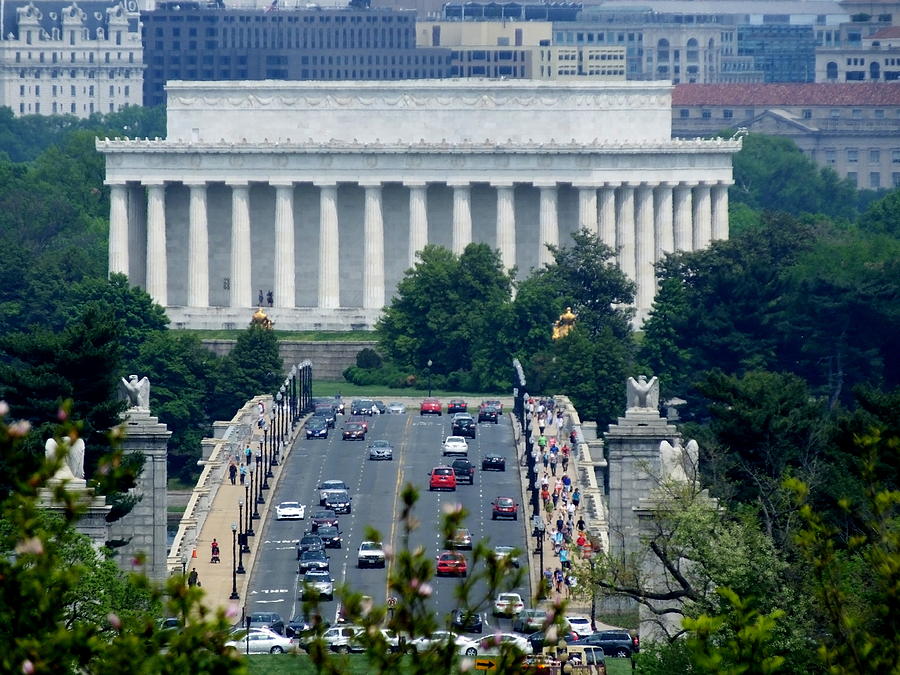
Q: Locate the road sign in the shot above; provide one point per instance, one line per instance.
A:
(485, 664)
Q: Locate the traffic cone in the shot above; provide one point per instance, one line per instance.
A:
(194, 553)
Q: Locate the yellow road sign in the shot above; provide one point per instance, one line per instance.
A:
(485, 664)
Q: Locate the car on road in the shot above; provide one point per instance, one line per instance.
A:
(463, 424)
(370, 554)
(326, 412)
(362, 406)
(261, 641)
(466, 621)
(334, 401)
(316, 584)
(501, 552)
(328, 486)
(322, 518)
(380, 407)
(455, 445)
(488, 413)
(440, 637)
(490, 644)
(381, 449)
(290, 511)
(508, 604)
(529, 620)
(305, 626)
(309, 542)
(442, 478)
(430, 406)
(330, 536)
(338, 501)
(493, 462)
(493, 403)
(619, 643)
(361, 420)
(464, 470)
(353, 432)
(457, 405)
(581, 625)
(396, 408)
(450, 563)
(537, 638)
(504, 507)
(343, 639)
(316, 427)
(462, 538)
(269, 620)
(312, 560)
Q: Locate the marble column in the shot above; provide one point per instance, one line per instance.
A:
(587, 208)
(663, 221)
(608, 215)
(157, 264)
(241, 251)
(625, 229)
(285, 267)
(644, 249)
(418, 219)
(702, 224)
(683, 210)
(506, 223)
(118, 228)
(373, 272)
(720, 210)
(329, 254)
(462, 216)
(198, 247)
(549, 223)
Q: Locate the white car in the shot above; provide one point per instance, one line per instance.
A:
(329, 486)
(580, 625)
(290, 511)
(261, 641)
(508, 604)
(440, 637)
(455, 445)
(490, 644)
(370, 554)
(396, 408)
(506, 552)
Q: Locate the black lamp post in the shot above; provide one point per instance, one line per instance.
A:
(293, 396)
(248, 529)
(254, 481)
(242, 539)
(429, 378)
(245, 525)
(274, 456)
(234, 594)
(259, 497)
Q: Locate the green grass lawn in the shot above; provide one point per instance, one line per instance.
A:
(386, 394)
(305, 335)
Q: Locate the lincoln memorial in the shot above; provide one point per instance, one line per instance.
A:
(323, 192)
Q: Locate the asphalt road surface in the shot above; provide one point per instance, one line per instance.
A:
(375, 487)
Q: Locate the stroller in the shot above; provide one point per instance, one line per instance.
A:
(215, 553)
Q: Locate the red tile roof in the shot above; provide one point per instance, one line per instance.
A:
(773, 95)
(889, 32)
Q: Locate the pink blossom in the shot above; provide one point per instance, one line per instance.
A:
(62, 415)
(451, 507)
(425, 590)
(33, 546)
(114, 621)
(27, 667)
(19, 428)
(4, 408)
(232, 611)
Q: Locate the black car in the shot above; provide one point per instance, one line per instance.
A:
(382, 408)
(463, 425)
(269, 620)
(614, 642)
(493, 462)
(488, 413)
(323, 518)
(306, 626)
(464, 470)
(312, 560)
(309, 542)
(536, 640)
(316, 427)
(327, 412)
(338, 501)
(457, 405)
(465, 622)
(362, 406)
(331, 536)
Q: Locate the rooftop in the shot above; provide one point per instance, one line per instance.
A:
(825, 94)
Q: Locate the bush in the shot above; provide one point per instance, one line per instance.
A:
(369, 359)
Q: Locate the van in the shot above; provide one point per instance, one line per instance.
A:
(589, 658)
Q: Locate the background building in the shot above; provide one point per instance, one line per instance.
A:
(67, 58)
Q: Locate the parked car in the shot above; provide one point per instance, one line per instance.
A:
(396, 408)
(504, 507)
(463, 424)
(490, 644)
(430, 406)
(330, 536)
(455, 445)
(493, 462)
(261, 641)
(451, 563)
(343, 639)
(457, 405)
(370, 554)
(353, 432)
(440, 637)
(338, 501)
(328, 486)
(362, 406)
(581, 625)
(309, 542)
(508, 604)
(327, 413)
(316, 427)
(381, 449)
(442, 478)
(506, 552)
(464, 470)
(588, 658)
(466, 621)
(488, 414)
(529, 620)
(619, 643)
(317, 584)
(323, 517)
(537, 638)
(312, 560)
(290, 511)
(269, 620)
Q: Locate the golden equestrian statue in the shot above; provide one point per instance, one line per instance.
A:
(565, 323)
(259, 318)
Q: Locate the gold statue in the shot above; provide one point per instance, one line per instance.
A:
(259, 318)
(565, 323)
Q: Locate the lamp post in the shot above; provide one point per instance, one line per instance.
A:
(234, 594)
(242, 541)
(593, 593)
(273, 447)
(429, 378)
(259, 497)
(293, 396)
(248, 529)
(243, 537)
(254, 480)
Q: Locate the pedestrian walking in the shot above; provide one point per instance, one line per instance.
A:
(564, 557)
(573, 438)
(555, 499)
(232, 472)
(553, 464)
(259, 456)
(558, 578)
(248, 453)
(565, 462)
(576, 497)
(270, 298)
(567, 483)
(581, 525)
(542, 441)
(214, 552)
(545, 481)
(193, 578)
(260, 298)
(546, 459)
(570, 509)
(559, 524)
(243, 473)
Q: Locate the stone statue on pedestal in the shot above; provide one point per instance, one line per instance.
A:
(642, 394)
(72, 469)
(136, 392)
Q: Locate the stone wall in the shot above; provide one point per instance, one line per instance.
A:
(329, 359)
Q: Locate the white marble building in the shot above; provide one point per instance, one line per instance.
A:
(322, 192)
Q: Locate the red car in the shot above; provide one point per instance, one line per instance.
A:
(457, 405)
(451, 563)
(504, 507)
(442, 478)
(360, 420)
(430, 406)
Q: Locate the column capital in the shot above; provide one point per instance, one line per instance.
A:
(545, 184)
(687, 184)
(459, 184)
(723, 183)
(648, 184)
(667, 184)
(233, 184)
(325, 184)
(611, 184)
(415, 183)
(153, 183)
(370, 184)
(282, 183)
(502, 184)
(629, 184)
(195, 183)
(588, 185)
(705, 183)
(120, 183)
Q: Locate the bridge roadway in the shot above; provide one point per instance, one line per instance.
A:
(375, 488)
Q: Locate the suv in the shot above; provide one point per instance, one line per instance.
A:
(362, 406)
(464, 470)
(370, 554)
(463, 425)
(338, 501)
(614, 642)
(327, 413)
(442, 478)
(430, 406)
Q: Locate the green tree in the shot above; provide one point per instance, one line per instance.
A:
(252, 368)
(883, 216)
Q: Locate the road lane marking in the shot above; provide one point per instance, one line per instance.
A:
(397, 485)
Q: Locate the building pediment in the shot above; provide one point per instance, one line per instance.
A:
(779, 122)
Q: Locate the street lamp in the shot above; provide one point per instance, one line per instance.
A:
(254, 481)
(273, 449)
(293, 396)
(242, 541)
(259, 496)
(593, 593)
(248, 530)
(243, 537)
(429, 378)
(234, 594)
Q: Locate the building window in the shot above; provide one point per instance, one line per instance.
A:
(706, 114)
(807, 114)
(875, 180)
(831, 156)
(895, 156)
(895, 178)
(852, 155)
(874, 156)
(879, 114)
(857, 114)
(727, 114)
(851, 176)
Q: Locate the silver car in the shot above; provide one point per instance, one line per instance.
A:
(261, 641)
(381, 449)
(396, 408)
(317, 584)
